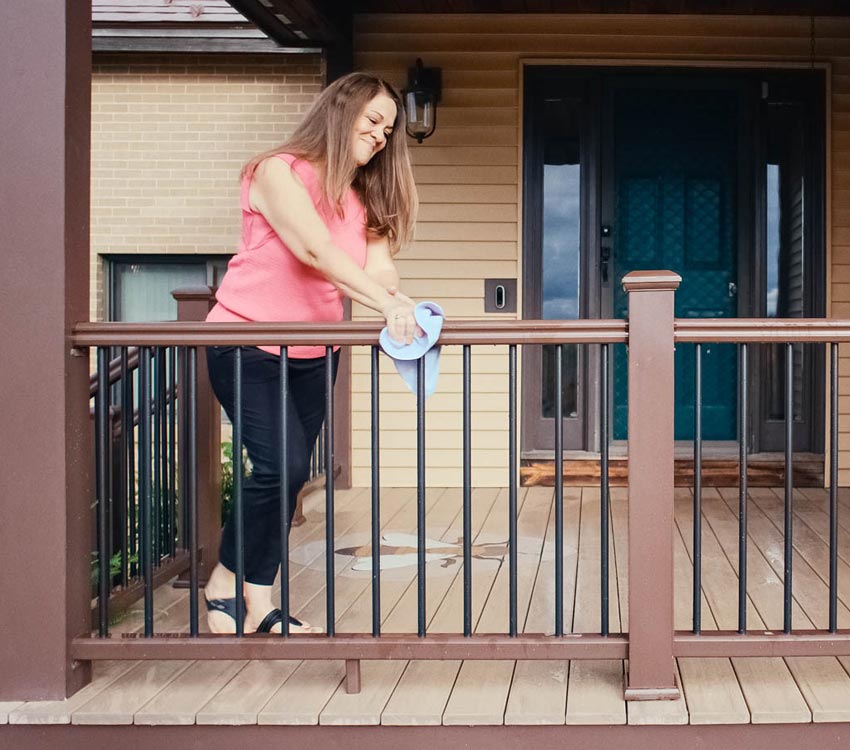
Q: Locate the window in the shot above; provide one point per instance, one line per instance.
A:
(140, 288)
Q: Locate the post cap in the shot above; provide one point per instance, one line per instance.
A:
(651, 281)
(193, 292)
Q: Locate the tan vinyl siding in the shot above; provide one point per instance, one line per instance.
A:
(469, 179)
(169, 136)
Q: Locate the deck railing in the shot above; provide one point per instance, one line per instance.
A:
(651, 643)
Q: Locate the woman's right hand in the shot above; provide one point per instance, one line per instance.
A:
(401, 324)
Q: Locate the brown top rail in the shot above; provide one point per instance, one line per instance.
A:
(365, 333)
(761, 330)
(349, 333)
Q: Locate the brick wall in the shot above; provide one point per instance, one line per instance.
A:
(169, 135)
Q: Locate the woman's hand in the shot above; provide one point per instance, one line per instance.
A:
(401, 325)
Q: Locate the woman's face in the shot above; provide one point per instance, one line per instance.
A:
(373, 127)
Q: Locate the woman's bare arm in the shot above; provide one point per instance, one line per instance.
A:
(278, 194)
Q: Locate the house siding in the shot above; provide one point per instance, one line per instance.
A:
(169, 135)
(469, 181)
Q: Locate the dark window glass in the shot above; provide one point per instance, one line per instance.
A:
(141, 290)
(786, 251)
(561, 243)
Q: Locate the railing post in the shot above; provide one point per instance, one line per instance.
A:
(652, 673)
(193, 303)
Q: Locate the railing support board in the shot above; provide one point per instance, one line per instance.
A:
(352, 676)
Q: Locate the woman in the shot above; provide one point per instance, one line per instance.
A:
(323, 215)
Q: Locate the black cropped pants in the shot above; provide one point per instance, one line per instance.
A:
(261, 417)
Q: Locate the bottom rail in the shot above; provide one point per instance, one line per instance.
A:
(349, 647)
(762, 643)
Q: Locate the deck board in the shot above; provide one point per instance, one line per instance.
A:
(302, 697)
(711, 689)
(769, 688)
(419, 693)
(480, 693)
(538, 692)
(595, 688)
(424, 689)
(379, 679)
(399, 613)
(7, 707)
(245, 695)
(128, 693)
(182, 699)
(59, 712)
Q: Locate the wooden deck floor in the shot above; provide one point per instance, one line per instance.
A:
(716, 691)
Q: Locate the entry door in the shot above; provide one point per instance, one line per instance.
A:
(670, 201)
(715, 175)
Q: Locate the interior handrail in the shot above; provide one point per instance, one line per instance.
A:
(115, 370)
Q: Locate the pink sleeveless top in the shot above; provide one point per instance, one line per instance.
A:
(265, 282)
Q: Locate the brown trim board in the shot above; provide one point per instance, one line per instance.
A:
(717, 737)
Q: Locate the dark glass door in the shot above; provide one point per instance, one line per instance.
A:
(715, 175)
(673, 196)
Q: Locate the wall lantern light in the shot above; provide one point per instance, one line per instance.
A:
(420, 100)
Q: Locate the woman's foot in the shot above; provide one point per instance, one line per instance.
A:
(221, 603)
(220, 596)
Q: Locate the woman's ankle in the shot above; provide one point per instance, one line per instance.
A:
(222, 582)
(258, 597)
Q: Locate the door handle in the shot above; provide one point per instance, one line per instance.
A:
(733, 289)
(604, 260)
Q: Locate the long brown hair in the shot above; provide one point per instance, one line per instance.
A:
(324, 137)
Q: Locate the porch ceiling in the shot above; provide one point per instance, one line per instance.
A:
(715, 7)
(304, 22)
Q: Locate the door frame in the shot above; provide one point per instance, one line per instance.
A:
(529, 230)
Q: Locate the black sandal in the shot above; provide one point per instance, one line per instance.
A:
(227, 606)
(276, 616)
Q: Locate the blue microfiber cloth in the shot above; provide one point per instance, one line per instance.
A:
(429, 316)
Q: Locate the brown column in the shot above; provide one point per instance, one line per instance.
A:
(45, 434)
(651, 381)
(193, 303)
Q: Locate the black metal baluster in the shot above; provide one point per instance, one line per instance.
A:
(420, 494)
(512, 488)
(181, 386)
(559, 491)
(190, 474)
(376, 494)
(604, 495)
(743, 433)
(789, 484)
(238, 517)
(128, 429)
(102, 440)
(330, 583)
(122, 503)
(467, 490)
(697, 541)
(284, 491)
(172, 448)
(833, 488)
(145, 530)
(167, 527)
(157, 455)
